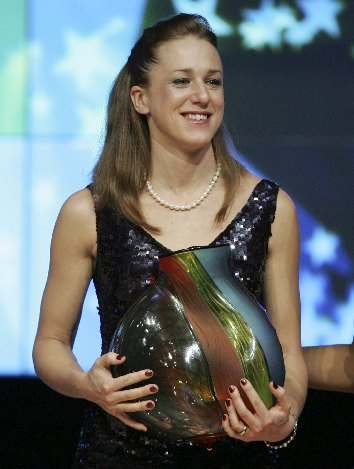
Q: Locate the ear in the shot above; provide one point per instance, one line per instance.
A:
(139, 99)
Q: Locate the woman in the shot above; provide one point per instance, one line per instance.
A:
(165, 142)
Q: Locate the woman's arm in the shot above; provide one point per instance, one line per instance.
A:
(283, 299)
(331, 367)
(72, 253)
(69, 275)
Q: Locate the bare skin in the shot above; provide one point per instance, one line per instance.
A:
(331, 367)
(182, 164)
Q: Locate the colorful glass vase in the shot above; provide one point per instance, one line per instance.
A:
(199, 330)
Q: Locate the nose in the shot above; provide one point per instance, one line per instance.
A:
(200, 93)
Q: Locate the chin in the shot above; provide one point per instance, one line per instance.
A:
(193, 147)
(197, 143)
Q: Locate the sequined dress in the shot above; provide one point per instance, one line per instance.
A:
(127, 256)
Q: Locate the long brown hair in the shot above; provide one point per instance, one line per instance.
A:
(120, 174)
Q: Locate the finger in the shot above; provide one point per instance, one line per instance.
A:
(235, 423)
(231, 432)
(254, 398)
(132, 378)
(140, 406)
(110, 359)
(133, 394)
(251, 420)
(280, 394)
(123, 417)
(227, 427)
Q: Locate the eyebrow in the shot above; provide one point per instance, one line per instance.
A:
(189, 70)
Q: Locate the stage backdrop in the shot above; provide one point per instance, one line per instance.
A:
(289, 69)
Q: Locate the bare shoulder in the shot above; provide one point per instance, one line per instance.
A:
(79, 204)
(77, 220)
(285, 228)
(286, 209)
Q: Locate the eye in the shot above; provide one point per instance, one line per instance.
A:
(214, 82)
(181, 81)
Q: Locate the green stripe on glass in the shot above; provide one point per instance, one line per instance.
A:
(235, 326)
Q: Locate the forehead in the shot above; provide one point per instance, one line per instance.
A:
(189, 52)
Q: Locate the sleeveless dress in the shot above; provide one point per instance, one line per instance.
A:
(127, 256)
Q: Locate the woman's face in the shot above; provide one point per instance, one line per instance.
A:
(184, 100)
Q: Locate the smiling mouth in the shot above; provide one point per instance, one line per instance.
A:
(196, 117)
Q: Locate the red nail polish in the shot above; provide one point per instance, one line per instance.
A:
(150, 405)
(275, 386)
(228, 402)
(224, 417)
(119, 357)
(243, 381)
(153, 388)
(231, 389)
(149, 373)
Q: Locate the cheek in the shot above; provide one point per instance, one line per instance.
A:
(221, 107)
(167, 99)
(219, 100)
(175, 97)
(218, 103)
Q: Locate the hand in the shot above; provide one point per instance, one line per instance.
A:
(109, 392)
(272, 424)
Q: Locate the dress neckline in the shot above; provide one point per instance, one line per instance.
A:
(238, 214)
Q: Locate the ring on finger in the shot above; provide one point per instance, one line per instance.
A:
(243, 431)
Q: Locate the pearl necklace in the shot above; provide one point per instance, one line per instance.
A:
(205, 194)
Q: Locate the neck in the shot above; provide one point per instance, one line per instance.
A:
(179, 171)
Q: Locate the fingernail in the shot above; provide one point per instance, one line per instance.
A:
(150, 405)
(149, 373)
(153, 388)
(275, 386)
(243, 381)
(232, 388)
(224, 417)
(228, 402)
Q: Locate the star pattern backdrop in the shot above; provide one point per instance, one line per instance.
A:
(289, 107)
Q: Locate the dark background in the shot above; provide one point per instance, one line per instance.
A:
(40, 429)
